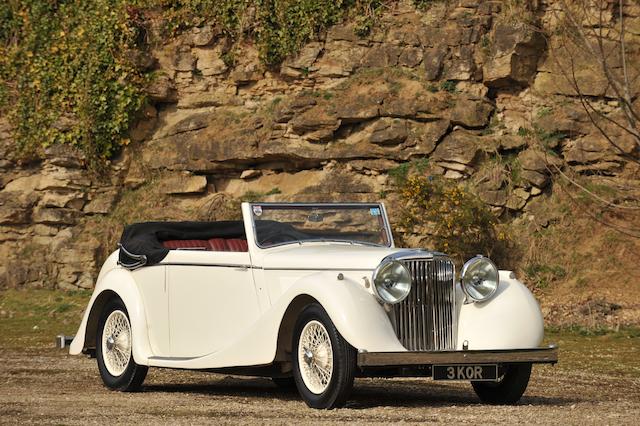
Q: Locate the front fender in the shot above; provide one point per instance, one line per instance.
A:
(120, 282)
(510, 320)
(356, 313)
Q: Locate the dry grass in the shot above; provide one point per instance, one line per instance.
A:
(32, 318)
(583, 271)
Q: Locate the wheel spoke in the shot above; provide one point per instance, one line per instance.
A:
(116, 343)
(315, 356)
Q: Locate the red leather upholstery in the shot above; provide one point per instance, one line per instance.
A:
(214, 244)
(192, 244)
(237, 244)
(218, 244)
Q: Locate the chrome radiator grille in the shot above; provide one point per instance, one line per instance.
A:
(425, 320)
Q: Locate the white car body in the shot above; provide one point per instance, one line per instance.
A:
(311, 295)
(208, 309)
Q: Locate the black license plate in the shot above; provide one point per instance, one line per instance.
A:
(478, 372)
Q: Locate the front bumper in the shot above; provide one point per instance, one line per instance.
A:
(546, 355)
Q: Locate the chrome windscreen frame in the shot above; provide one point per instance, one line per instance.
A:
(385, 219)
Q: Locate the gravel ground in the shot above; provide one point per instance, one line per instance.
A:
(53, 388)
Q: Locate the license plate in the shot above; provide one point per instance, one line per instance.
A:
(466, 372)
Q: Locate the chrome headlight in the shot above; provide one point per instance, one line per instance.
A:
(479, 279)
(391, 282)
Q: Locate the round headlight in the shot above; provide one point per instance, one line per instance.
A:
(391, 282)
(479, 278)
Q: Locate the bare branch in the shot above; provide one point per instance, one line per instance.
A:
(589, 108)
(621, 89)
(631, 232)
(553, 168)
(623, 230)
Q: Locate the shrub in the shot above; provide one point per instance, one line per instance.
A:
(449, 86)
(542, 275)
(450, 218)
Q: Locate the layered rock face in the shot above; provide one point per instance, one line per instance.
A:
(459, 87)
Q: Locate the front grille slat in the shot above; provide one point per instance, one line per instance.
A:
(424, 321)
(423, 297)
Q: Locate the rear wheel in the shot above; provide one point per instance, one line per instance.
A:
(508, 389)
(323, 362)
(114, 352)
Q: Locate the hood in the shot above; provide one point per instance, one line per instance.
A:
(326, 256)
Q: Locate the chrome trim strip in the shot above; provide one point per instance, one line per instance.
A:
(414, 254)
(166, 358)
(314, 269)
(351, 205)
(219, 265)
(210, 265)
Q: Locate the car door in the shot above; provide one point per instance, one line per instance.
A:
(153, 289)
(212, 300)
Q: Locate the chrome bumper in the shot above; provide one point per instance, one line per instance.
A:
(546, 355)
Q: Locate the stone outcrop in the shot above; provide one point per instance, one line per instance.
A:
(515, 51)
(458, 87)
(457, 153)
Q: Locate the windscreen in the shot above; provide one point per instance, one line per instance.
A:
(278, 224)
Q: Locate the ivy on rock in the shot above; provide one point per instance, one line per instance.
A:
(66, 68)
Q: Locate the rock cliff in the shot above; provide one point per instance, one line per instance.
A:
(463, 87)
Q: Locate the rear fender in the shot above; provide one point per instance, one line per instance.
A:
(114, 283)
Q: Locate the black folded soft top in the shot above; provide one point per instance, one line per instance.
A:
(141, 243)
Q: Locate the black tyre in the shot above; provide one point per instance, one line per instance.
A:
(114, 353)
(508, 390)
(324, 363)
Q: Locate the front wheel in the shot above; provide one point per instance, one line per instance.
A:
(114, 350)
(323, 362)
(508, 389)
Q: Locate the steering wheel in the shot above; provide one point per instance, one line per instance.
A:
(280, 236)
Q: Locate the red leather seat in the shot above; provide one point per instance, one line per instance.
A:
(188, 244)
(214, 244)
(237, 244)
(218, 244)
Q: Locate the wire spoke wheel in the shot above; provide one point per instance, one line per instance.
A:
(324, 364)
(116, 343)
(315, 357)
(114, 349)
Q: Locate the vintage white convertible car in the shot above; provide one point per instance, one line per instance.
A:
(311, 295)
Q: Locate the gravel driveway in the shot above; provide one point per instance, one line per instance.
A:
(50, 387)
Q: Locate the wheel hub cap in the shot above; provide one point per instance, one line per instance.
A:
(308, 356)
